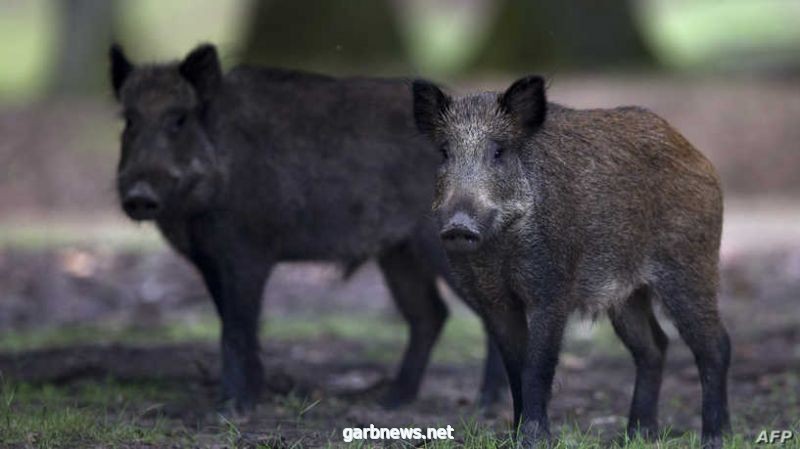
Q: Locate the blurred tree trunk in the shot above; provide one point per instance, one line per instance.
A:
(85, 32)
(331, 35)
(578, 34)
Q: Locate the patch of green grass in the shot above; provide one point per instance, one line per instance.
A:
(112, 414)
(106, 334)
(297, 405)
(473, 435)
(462, 339)
(571, 437)
(383, 338)
(84, 415)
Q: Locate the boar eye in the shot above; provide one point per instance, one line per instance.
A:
(176, 121)
(443, 151)
(497, 151)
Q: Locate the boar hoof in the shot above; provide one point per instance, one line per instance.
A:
(491, 403)
(534, 436)
(712, 442)
(530, 443)
(230, 414)
(394, 399)
(235, 410)
(645, 432)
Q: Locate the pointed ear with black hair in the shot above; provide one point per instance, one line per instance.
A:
(429, 105)
(526, 102)
(120, 68)
(202, 69)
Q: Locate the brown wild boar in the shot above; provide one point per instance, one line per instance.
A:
(545, 210)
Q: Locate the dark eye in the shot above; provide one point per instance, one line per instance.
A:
(443, 151)
(176, 121)
(497, 151)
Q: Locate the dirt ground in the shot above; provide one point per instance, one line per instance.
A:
(592, 393)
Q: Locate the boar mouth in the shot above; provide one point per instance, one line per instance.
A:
(460, 239)
(144, 213)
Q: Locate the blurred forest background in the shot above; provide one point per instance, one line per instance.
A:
(724, 72)
(75, 272)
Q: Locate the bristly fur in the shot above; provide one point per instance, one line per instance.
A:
(262, 165)
(597, 210)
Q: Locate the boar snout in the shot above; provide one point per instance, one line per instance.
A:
(141, 202)
(461, 233)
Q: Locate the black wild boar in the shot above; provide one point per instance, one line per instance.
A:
(242, 170)
(545, 210)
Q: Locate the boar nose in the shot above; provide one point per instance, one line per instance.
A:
(141, 202)
(461, 233)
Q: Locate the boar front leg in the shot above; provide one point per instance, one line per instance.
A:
(505, 322)
(530, 340)
(237, 290)
(546, 324)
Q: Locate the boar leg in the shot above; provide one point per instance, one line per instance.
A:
(529, 339)
(494, 385)
(414, 291)
(637, 327)
(694, 311)
(508, 330)
(237, 293)
(545, 322)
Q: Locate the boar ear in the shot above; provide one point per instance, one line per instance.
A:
(202, 69)
(120, 68)
(429, 104)
(526, 102)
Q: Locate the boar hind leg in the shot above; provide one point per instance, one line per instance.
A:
(694, 310)
(237, 296)
(637, 327)
(414, 291)
(494, 386)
